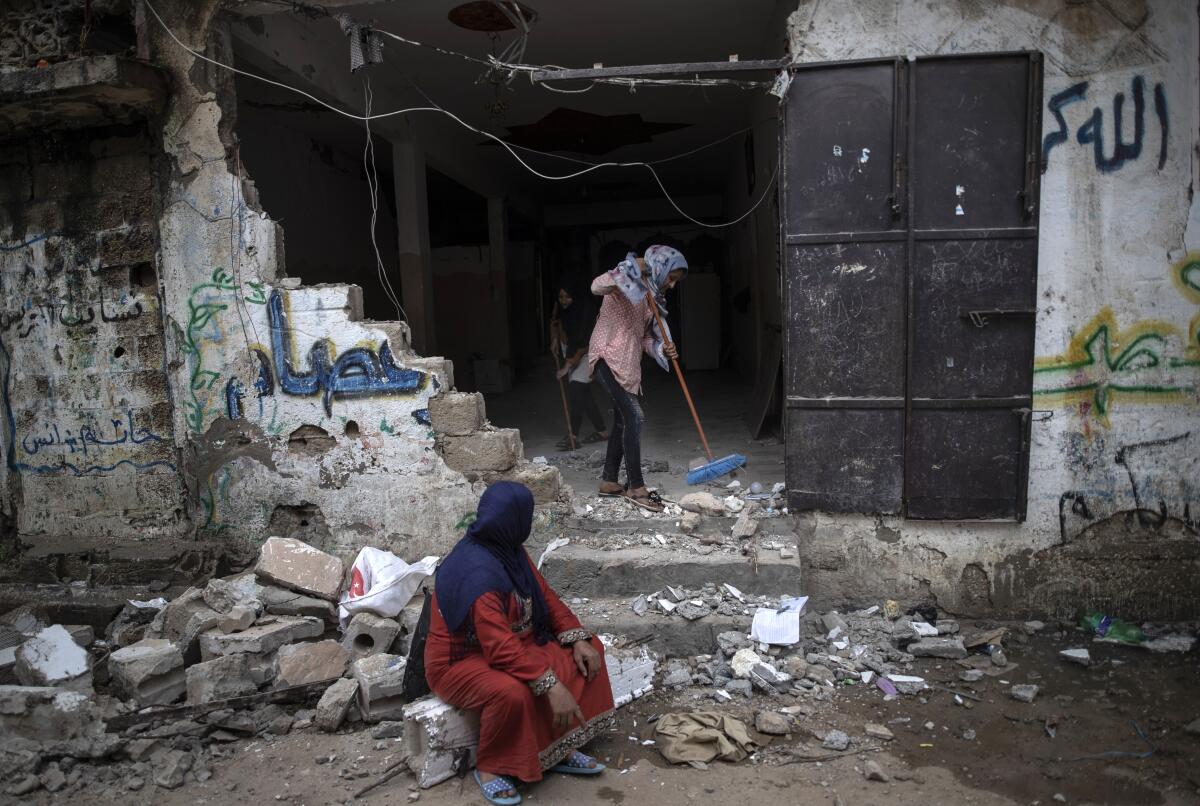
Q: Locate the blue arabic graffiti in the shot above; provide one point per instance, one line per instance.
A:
(89, 437)
(1092, 130)
(358, 372)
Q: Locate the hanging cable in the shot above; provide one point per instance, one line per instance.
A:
(369, 117)
(372, 174)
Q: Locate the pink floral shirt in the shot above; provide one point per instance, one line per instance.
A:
(620, 335)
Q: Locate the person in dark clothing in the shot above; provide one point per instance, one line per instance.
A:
(573, 330)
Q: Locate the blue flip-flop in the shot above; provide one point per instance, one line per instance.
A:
(496, 785)
(576, 764)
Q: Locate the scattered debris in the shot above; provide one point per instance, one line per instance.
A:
(1079, 656)
(1023, 692)
(836, 740)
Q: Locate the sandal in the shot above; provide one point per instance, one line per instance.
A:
(577, 764)
(594, 438)
(651, 501)
(618, 493)
(564, 444)
(494, 787)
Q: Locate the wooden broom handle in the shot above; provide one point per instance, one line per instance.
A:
(679, 374)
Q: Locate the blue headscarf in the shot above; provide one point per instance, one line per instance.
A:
(661, 260)
(490, 558)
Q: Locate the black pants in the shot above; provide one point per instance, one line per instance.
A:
(583, 400)
(625, 438)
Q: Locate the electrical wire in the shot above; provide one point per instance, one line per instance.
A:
(369, 117)
(372, 174)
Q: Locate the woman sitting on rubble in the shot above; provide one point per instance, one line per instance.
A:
(624, 328)
(503, 644)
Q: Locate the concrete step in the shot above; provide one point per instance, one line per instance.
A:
(668, 636)
(581, 571)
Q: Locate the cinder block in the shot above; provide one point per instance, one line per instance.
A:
(457, 414)
(494, 450)
(311, 663)
(334, 703)
(261, 639)
(298, 566)
(150, 672)
(380, 686)
(544, 481)
(223, 678)
(369, 634)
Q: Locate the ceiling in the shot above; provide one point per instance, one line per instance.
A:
(605, 123)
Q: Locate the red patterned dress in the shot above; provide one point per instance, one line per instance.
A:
(504, 674)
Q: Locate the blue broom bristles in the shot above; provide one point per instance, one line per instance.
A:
(716, 469)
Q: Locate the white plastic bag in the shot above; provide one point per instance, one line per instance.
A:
(382, 583)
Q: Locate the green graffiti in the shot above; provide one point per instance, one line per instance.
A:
(201, 312)
(257, 295)
(466, 521)
(384, 427)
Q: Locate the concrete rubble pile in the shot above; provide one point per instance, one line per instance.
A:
(171, 685)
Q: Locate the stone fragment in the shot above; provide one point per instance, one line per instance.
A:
(733, 503)
(819, 672)
(388, 730)
(1025, 692)
(1193, 727)
(149, 672)
(833, 620)
(221, 679)
(82, 634)
(261, 639)
(311, 662)
(873, 772)
(907, 684)
(677, 675)
(692, 611)
(630, 673)
(731, 641)
(836, 740)
(690, 523)
(53, 778)
(457, 414)
(222, 595)
(380, 686)
(745, 526)
(52, 658)
(743, 687)
(495, 449)
(743, 661)
(639, 605)
(182, 621)
(1080, 656)
(1032, 627)
(971, 675)
(702, 503)
(239, 618)
(544, 481)
(787, 553)
(947, 647)
(171, 768)
(60, 721)
(772, 723)
(334, 703)
(283, 602)
(298, 566)
(998, 657)
(947, 626)
(767, 675)
(796, 666)
(129, 626)
(878, 732)
(369, 634)
(24, 785)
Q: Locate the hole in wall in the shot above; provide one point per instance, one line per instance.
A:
(143, 275)
(364, 643)
(351, 430)
(117, 353)
(303, 521)
(310, 440)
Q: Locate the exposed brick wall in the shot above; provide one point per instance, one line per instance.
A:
(87, 426)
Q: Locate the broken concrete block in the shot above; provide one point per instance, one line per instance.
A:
(369, 634)
(907, 683)
(182, 621)
(130, 625)
(240, 617)
(261, 639)
(743, 661)
(223, 595)
(222, 678)
(298, 566)
(496, 449)
(941, 647)
(53, 778)
(731, 641)
(833, 620)
(873, 772)
(876, 731)
(457, 414)
(971, 675)
(1080, 656)
(334, 703)
(380, 686)
(52, 658)
(744, 526)
(149, 672)
(435, 733)
(544, 481)
(60, 721)
(82, 634)
(630, 673)
(690, 523)
(702, 503)
(283, 602)
(311, 663)
(1025, 692)
(836, 740)
(171, 768)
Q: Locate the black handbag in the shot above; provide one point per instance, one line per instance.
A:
(415, 684)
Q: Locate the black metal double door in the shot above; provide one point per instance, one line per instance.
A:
(910, 212)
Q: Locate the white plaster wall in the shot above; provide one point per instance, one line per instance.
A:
(1113, 255)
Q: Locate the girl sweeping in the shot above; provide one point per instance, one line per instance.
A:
(624, 329)
(503, 644)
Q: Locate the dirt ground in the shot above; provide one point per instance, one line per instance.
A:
(1011, 759)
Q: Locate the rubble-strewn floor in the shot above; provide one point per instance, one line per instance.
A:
(1011, 759)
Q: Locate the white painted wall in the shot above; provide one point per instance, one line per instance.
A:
(1114, 257)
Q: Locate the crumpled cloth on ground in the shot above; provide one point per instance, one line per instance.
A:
(702, 736)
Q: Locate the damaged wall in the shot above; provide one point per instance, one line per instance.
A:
(1114, 483)
(163, 377)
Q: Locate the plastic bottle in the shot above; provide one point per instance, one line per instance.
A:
(1112, 629)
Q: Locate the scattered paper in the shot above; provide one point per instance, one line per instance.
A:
(776, 627)
(788, 604)
(734, 592)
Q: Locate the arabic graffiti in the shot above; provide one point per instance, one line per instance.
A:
(1103, 363)
(67, 314)
(88, 437)
(1092, 130)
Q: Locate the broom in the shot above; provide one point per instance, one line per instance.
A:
(714, 468)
